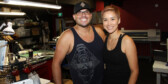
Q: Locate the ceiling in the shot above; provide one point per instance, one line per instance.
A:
(68, 2)
(63, 3)
(92, 3)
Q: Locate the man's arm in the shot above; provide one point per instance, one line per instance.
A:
(62, 48)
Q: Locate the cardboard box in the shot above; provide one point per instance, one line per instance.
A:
(6, 9)
(36, 31)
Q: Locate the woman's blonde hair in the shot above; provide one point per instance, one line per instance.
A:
(111, 8)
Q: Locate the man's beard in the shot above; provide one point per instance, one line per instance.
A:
(84, 25)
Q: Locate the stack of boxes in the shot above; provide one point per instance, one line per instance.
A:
(8, 9)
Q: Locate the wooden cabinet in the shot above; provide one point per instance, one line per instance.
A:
(44, 69)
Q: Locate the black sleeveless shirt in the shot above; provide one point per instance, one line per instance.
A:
(117, 69)
(86, 60)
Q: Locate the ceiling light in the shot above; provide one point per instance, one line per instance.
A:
(32, 4)
(12, 13)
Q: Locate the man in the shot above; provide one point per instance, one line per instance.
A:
(82, 45)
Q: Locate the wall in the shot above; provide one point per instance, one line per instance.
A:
(141, 14)
(146, 14)
(150, 12)
(128, 20)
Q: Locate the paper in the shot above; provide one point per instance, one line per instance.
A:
(26, 81)
(3, 50)
(44, 81)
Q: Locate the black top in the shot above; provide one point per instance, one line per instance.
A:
(117, 69)
(86, 60)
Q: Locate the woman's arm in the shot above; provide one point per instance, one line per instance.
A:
(131, 53)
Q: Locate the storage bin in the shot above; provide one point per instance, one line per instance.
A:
(160, 55)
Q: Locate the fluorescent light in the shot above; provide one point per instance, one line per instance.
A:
(12, 13)
(32, 4)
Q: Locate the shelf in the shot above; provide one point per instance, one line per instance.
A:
(33, 36)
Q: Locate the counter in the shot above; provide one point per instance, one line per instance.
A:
(40, 63)
(39, 56)
(159, 67)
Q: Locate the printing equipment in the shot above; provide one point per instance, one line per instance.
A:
(143, 35)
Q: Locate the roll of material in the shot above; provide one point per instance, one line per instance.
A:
(167, 49)
(25, 51)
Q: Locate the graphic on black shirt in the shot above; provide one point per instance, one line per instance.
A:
(84, 63)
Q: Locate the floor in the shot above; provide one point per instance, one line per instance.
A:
(146, 74)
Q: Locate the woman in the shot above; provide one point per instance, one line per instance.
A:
(120, 52)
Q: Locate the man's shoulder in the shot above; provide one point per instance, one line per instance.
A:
(67, 34)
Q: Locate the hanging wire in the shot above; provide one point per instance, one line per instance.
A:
(56, 2)
(51, 12)
(26, 13)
